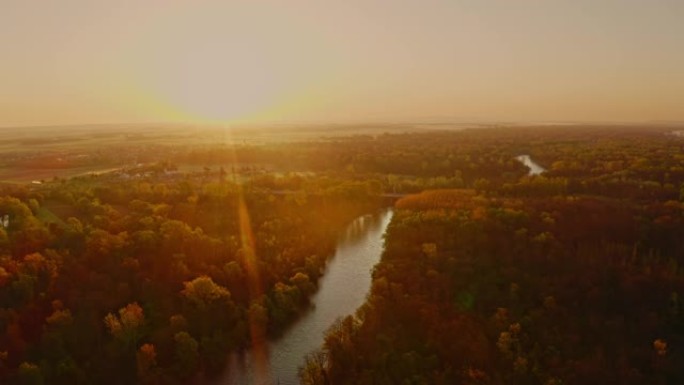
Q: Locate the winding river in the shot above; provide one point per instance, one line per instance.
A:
(343, 289)
(535, 169)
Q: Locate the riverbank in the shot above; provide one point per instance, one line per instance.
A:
(342, 289)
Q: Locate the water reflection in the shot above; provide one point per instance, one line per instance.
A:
(360, 229)
(342, 290)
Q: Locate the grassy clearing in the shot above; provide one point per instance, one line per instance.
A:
(47, 216)
(56, 212)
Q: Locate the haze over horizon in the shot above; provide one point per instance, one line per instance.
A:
(89, 62)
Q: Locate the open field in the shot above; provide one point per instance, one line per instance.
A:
(41, 154)
(44, 153)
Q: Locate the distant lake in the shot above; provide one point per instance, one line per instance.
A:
(343, 289)
(535, 169)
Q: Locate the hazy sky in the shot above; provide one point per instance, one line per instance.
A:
(92, 61)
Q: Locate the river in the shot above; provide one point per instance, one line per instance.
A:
(535, 169)
(343, 289)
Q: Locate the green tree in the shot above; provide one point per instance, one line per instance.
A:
(186, 353)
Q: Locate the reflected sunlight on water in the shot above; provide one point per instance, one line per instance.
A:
(342, 290)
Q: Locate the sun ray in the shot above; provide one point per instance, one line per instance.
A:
(249, 261)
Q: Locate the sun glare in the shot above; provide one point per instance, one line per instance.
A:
(222, 69)
(212, 85)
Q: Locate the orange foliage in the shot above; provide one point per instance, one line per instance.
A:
(438, 199)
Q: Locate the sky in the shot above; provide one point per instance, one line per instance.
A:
(134, 61)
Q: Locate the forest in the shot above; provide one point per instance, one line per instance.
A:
(151, 282)
(179, 254)
(570, 277)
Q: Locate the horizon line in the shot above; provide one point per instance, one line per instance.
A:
(310, 123)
